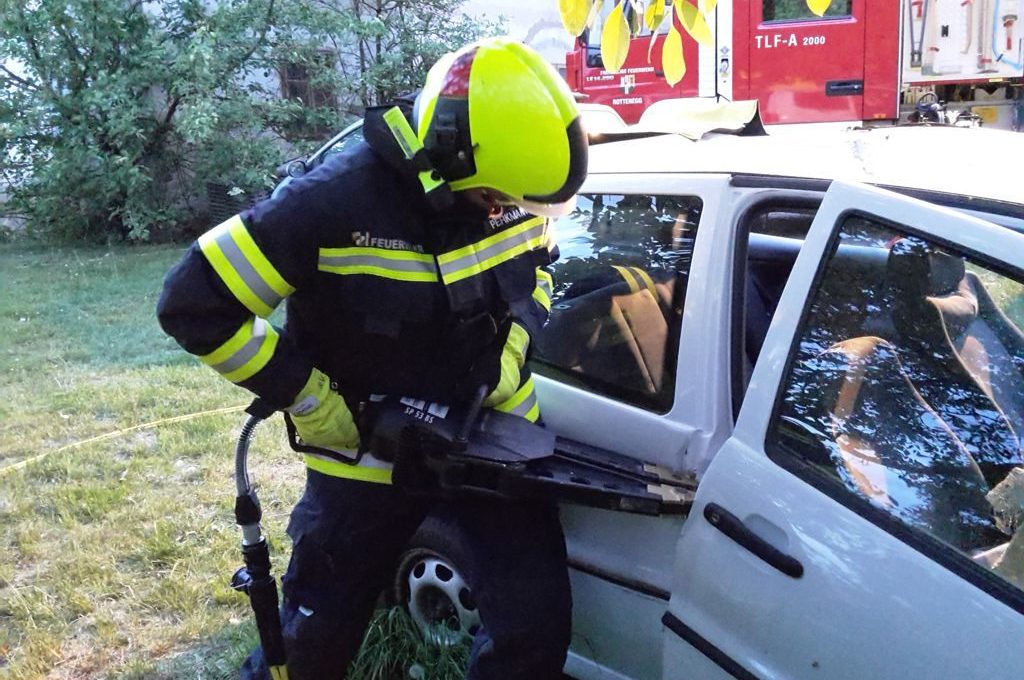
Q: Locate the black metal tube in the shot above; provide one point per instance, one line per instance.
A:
(262, 591)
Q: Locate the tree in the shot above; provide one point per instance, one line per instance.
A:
(115, 114)
(382, 48)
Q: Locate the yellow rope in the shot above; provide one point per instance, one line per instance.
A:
(118, 433)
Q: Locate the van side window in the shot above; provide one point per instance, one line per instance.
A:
(618, 296)
(907, 391)
(796, 10)
(774, 235)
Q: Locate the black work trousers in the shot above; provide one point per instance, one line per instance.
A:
(347, 537)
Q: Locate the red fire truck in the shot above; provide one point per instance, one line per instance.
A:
(862, 61)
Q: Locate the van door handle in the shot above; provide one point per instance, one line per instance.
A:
(844, 88)
(733, 527)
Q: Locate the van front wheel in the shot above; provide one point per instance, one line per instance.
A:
(432, 585)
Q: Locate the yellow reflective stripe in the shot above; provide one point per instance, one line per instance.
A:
(522, 403)
(382, 272)
(246, 352)
(493, 261)
(542, 293)
(410, 145)
(278, 673)
(542, 299)
(382, 253)
(627, 276)
(246, 272)
(491, 240)
(402, 132)
(491, 251)
(452, 255)
(256, 364)
(233, 281)
(516, 399)
(258, 260)
(229, 348)
(402, 265)
(646, 278)
(518, 339)
(336, 468)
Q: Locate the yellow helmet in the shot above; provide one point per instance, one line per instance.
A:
(495, 115)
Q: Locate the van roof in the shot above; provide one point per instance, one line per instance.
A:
(967, 161)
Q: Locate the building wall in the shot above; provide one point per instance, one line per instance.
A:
(535, 22)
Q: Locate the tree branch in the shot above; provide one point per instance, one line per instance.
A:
(18, 79)
(38, 62)
(267, 20)
(171, 109)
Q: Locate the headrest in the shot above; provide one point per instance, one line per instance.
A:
(932, 301)
(916, 268)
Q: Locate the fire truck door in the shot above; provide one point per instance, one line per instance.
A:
(806, 69)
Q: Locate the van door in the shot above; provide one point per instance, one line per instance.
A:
(636, 266)
(802, 68)
(863, 521)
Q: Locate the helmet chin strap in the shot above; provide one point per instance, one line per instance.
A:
(485, 200)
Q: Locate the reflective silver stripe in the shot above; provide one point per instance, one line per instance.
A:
(247, 351)
(544, 286)
(245, 270)
(368, 460)
(367, 470)
(527, 404)
(479, 257)
(374, 261)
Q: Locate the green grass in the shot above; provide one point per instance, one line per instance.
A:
(115, 553)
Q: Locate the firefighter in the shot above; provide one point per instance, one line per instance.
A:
(412, 265)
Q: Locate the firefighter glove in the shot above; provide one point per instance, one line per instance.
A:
(322, 417)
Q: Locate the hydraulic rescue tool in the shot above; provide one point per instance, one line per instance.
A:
(255, 579)
(443, 451)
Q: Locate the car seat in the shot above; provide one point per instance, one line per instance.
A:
(962, 354)
(616, 333)
(891, 446)
(768, 266)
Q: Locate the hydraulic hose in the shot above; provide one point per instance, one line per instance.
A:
(242, 485)
(255, 578)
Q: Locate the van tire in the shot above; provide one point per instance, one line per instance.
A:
(432, 583)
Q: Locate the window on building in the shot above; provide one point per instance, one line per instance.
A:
(618, 296)
(309, 84)
(907, 391)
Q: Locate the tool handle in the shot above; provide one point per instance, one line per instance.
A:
(256, 581)
(472, 413)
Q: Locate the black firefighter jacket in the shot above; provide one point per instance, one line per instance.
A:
(384, 294)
